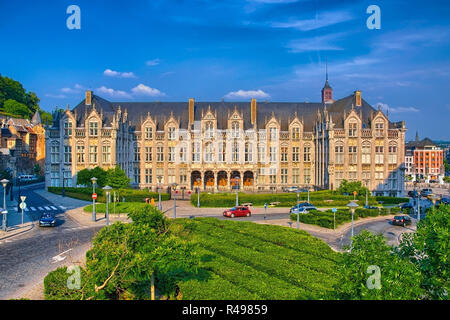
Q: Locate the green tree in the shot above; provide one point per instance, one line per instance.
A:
(37, 169)
(428, 249)
(84, 176)
(14, 108)
(117, 178)
(350, 187)
(399, 278)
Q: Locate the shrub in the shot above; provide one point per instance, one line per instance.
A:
(55, 285)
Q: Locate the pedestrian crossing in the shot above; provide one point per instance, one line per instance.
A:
(43, 208)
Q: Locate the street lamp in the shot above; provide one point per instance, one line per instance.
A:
(4, 212)
(237, 183)
(198, 192)
(159, 193)
(63, 193)
(107, 194)
(174, 187)
(94, 181)
(352, 205)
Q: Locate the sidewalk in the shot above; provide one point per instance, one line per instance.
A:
(14, 221)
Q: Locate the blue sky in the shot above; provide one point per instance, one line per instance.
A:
(172, 50)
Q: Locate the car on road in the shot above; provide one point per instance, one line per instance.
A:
(241, 211)
(426, 192)
(413, 194)
(47, 220)
(302, 207)
(401, 221)
(407, 205)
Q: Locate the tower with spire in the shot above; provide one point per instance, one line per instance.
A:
(327, 91)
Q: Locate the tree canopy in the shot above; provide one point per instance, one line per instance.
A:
(115, 178)
(350, 187)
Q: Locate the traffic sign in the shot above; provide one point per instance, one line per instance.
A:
(94, 196)
(265, 205)
(334, 210)
(22, 205)
(355, 193)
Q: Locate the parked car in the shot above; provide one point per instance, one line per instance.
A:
(241, 211)
(302, 206)
(407, 205)
(47, 220)
(401, 221)
(445, 200)
(370, 207)
(413, 194)
(291, 189)
(426, 192)
(434, 181)
(299, 210)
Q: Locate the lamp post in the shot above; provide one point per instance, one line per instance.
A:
(174, 187)
(63, 192)
(94, 181)
(5, 212)
(433, 200)
(159, 193)
(298, 209)
(198, 192)
(352, 205)
(237, 182)
(107, 194)
(308, 180)
(367, 192)
(22, 198)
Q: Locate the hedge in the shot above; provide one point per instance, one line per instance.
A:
(325, 219)
(120, 207)
(244, 260)
(55, 285)
(131, 195)
(391, 200)
(317, 198)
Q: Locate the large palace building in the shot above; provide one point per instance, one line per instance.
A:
(267, 145)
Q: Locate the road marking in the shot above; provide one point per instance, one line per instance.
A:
(59, 257)
(46, 208)
(63, 208)
(26, 209)
(54, 208)
(40, 208)
(33, 208)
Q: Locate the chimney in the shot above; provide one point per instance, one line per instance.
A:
(253, 111)
(88, 100)
(191, 111)
(358, 98)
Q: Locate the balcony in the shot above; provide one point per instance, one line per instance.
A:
(339, 133)
(366, 133)
(79, 133)
(106, 133)
(393, 134)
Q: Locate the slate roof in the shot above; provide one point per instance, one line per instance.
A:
(420, 144)
(283, 111)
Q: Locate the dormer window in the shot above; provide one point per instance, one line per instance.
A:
(67, 128)
(235, 129)
(352, 127)
(295, 133)
(209, 129)
(148, 133)
(93, 128)
(273, 133)
(172, 133)
(379, 129)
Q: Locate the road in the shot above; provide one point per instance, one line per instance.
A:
(26, 259)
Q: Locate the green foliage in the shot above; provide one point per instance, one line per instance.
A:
(428, 249)
(5, 175)
(391, 200)
(244, 260)
(325, 219)
(446, 166)
(399, 278)
(55, 285)
(37, 169)
(325, 198)
(15, 101)
(117, 178)
(125, 256)
(120, 207)
(447, 179)
(350, 187)
(84, 176)
(131, 195)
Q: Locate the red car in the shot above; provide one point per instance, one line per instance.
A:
(237, 212)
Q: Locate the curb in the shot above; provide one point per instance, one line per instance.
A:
(30, 227)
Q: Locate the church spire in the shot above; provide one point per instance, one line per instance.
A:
(327, 91)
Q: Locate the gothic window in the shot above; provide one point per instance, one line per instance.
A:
(80, 154)
(171, 135)
(339, 153)
(93, 154)
(235, 129)
(209, 130)
(366, 153)
(106, 153)
(160, 153)
(148, 154)
(93, 128)
(148, 133)
(67, 128)
(379, 155)
(352, 155)
(307, 153)
(295, 154)
(295, 133)
(196, 152)
(392, 154)
(208, 152)
(352, 129)
(379, 129)
(248, 152)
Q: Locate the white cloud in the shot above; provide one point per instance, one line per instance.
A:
(321, 43)
(117, 74)
(113, 93)
(153, 62)
(76, 89)
(143, 90)
(320, 21)
(385, 107)
(242, 94)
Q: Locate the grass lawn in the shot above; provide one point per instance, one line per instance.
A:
(121, 207)
(243, 260)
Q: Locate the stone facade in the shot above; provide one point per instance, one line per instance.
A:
(268, 145)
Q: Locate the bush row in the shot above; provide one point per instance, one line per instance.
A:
(131, 195)
(325, 219)
(120, 207)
